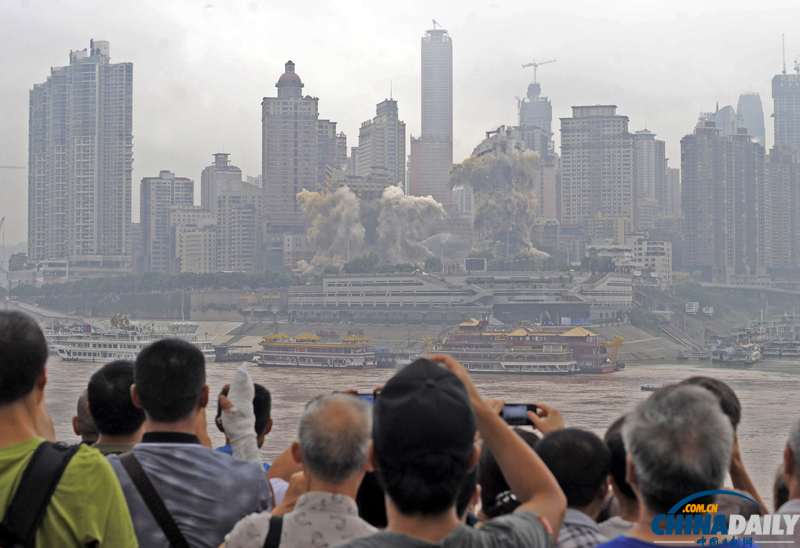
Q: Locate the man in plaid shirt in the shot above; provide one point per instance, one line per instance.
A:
(581, 462)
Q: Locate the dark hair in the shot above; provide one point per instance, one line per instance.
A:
(466, 492)
(724, 393)
(496, 496)
(371, 501)
(110, 400)
(169, 377)
(262, 405)
(23, 353)
(616, 446)
(429, 485)
(580, 462)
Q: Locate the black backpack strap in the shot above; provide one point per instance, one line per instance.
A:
(153, 500)
(39, 481)
(273, 539)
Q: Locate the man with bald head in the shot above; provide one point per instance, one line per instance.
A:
(332, 441)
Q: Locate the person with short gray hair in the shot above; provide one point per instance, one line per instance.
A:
(679, 443)
(332, 440)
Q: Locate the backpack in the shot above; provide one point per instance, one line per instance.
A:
(39, 481)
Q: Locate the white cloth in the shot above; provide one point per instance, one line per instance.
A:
(319, 519)
(279, 488)
(239, 422)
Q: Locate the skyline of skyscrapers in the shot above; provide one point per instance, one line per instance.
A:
(81, 161)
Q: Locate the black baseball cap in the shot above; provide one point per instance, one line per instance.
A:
(424, 410)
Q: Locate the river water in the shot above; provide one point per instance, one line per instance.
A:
(768, 392)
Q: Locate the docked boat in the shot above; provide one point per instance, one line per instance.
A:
(526, 350)
(781, 349)
(323, 350)
(745, 354)
(125, 344)
(233, 353)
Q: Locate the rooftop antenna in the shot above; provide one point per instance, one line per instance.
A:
(536, 66)
(435, 24)
(391, 96)
(783, 44)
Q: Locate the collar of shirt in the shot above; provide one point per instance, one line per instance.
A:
(322, 501)
(790, 507)
(170, 437)
(575, 517)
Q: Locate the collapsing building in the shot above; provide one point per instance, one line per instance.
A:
(342, 227)
(501, 173)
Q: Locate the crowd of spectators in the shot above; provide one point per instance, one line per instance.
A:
(430, 463)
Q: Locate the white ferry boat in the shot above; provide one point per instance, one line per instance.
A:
(323, 350)
(125, 344)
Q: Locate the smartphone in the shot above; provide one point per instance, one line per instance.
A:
(368, 397)
(516, 414)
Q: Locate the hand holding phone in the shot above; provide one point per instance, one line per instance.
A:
(516, 414)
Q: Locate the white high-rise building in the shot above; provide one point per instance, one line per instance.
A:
(598, 162)
(158, 195)
(436, 141)
(219, 177)
(81, 161)
(382, 144)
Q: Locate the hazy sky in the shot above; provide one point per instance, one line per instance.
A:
(201, 68)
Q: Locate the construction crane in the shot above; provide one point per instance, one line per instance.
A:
(536, 66)
(435, 24)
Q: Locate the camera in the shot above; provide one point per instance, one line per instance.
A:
(516, 414)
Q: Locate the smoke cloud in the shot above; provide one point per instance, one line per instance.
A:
(393, 226)
(505, 200)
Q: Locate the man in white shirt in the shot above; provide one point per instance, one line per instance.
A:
(331, 444)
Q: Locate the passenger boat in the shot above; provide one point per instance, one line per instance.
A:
(526, 350)
(744, 354)
(781, 349)
(126, 343)
(233, 353)
(323, 350)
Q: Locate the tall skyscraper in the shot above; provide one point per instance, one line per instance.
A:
(673, 201)
(290, 160)
(382, 144)
(81, 160)
(725, 203)
(651, 174)
(783, 180)
(219, 177)
(786, 109)
(157, 196)
(750, 111)
(327, 145)
(597, 166)
(237, 228)
(535, 121)
(436, 139)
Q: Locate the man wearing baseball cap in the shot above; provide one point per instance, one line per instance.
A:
(424, 426)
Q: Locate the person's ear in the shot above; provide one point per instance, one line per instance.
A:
(372, 458)
(789, 467)
(41, 379)
(297, 455)
(75, 427)
(474, 457)
(203, 401)
(135, 397)
(630, 472)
